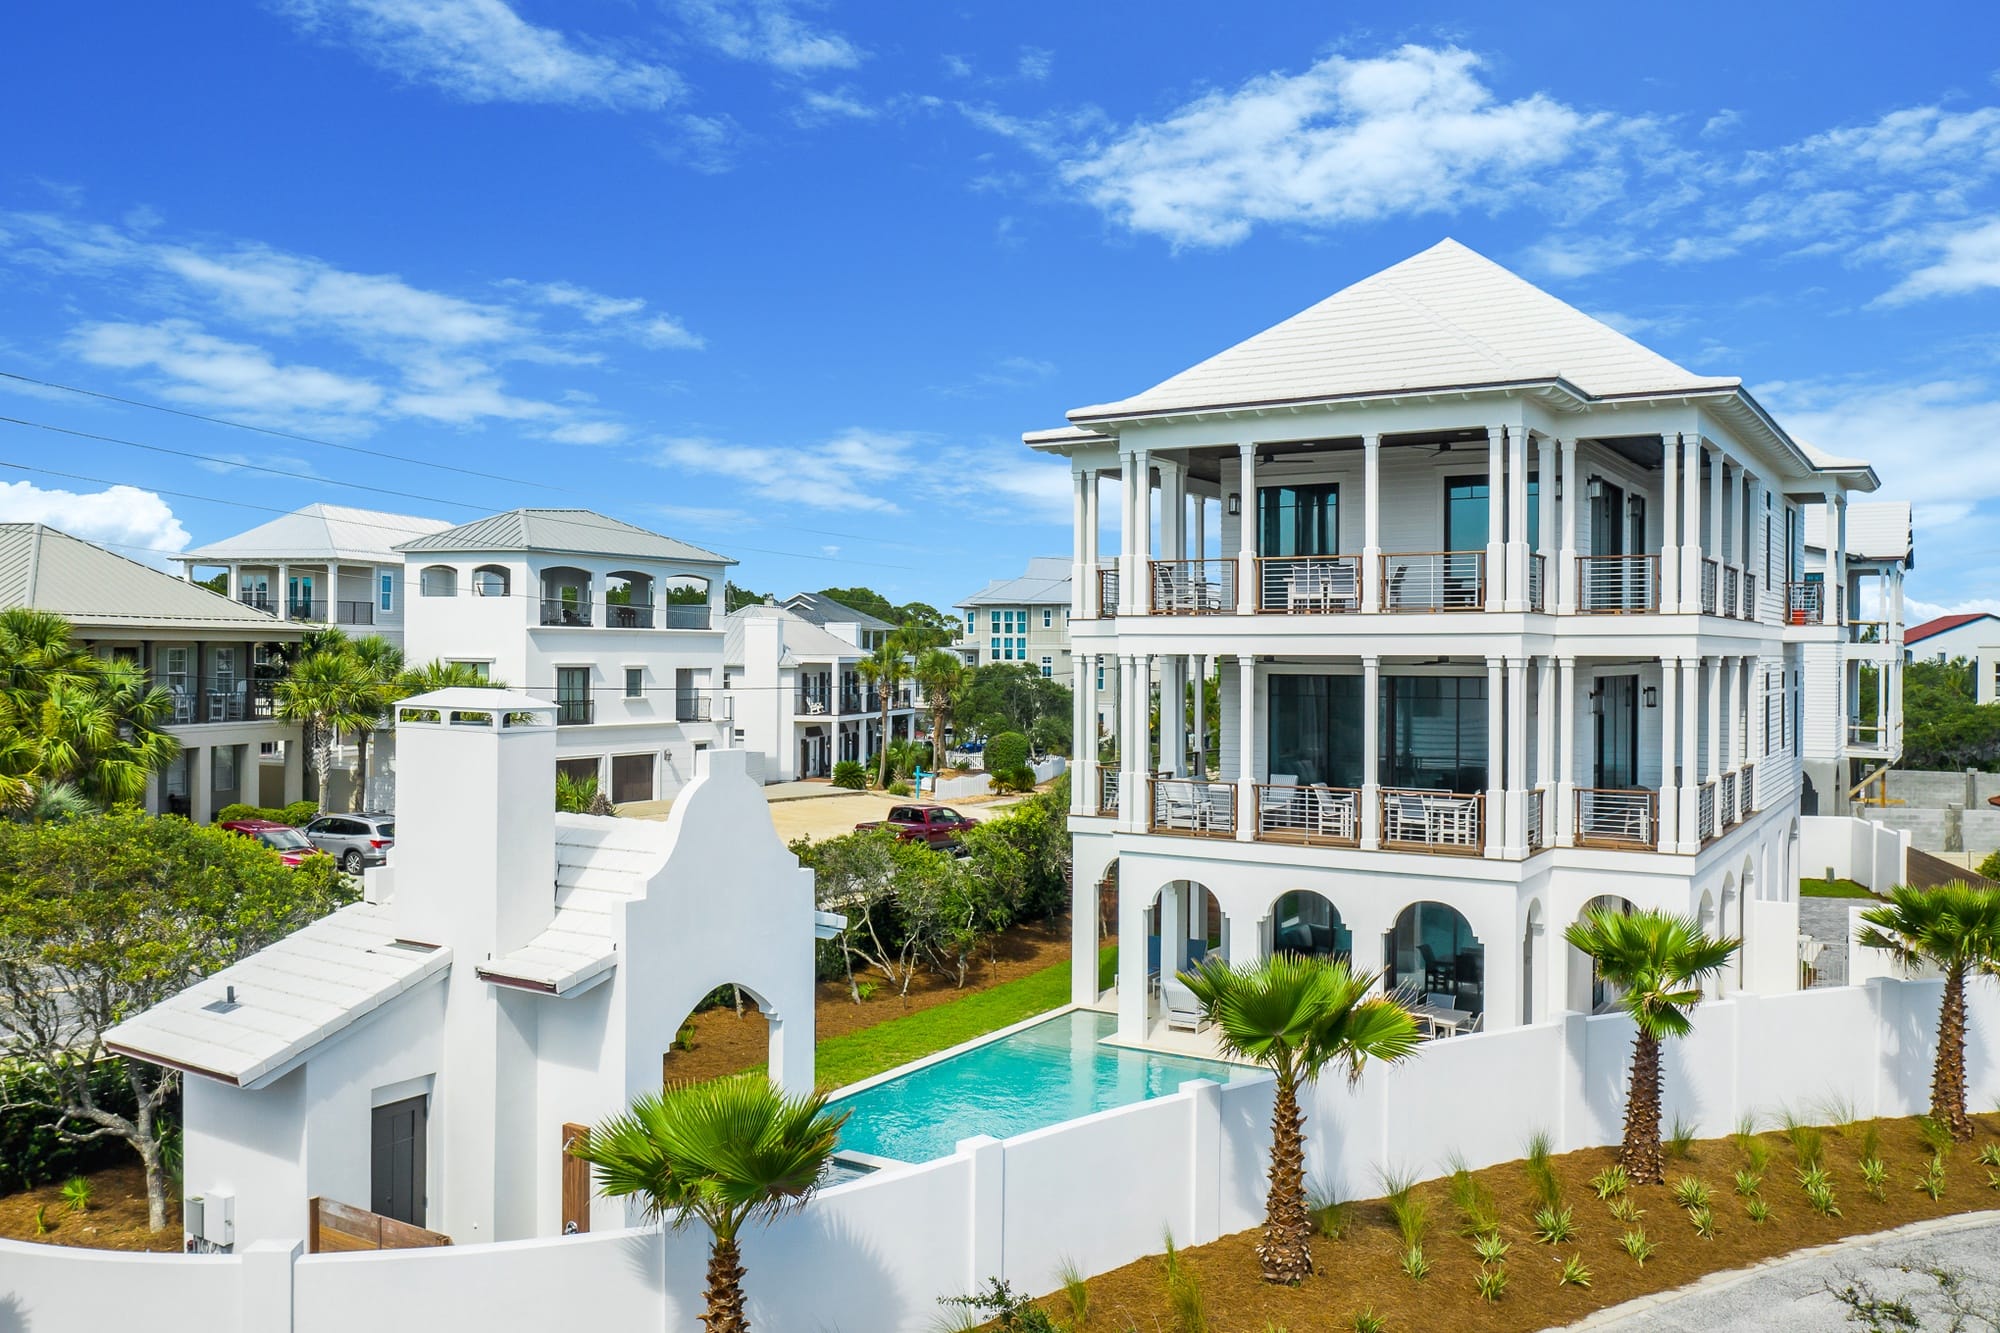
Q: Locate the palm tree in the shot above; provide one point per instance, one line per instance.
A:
(1956, 929)
(938, 673)
(438, 675)
(886, 668)
(327, 693)
(1660, 962)
(71, 718)
(381, 662)
(722, 1153)
(1295, 1016)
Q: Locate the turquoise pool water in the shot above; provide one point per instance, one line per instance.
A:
(1037, 1077)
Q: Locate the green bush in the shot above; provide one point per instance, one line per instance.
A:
(1006, 752)
(1990, 867)
(298, 813)
(850, 774)
(1019, 779)
(899, 788)
(32, 1153)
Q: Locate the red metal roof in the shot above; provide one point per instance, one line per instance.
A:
(1917, 633)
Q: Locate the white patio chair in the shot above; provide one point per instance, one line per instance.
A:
(1408, 820)
(1343, 588)
(1182, 1008)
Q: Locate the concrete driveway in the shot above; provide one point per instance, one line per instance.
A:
(1794, 1294)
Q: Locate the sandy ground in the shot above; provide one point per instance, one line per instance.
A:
(824, 816)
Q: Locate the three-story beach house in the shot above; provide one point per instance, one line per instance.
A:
(1509, 615)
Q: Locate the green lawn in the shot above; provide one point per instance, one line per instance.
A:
(857, 1055)
(1832, 888)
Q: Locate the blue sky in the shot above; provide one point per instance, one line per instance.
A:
(789, 279)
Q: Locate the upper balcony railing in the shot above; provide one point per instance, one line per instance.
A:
(1728, 799)
(1293, 583)
(1313, 815)
(1107, 790)
(1193, 587)
(1867, 631)
(1711, 585)
(1433, 821)
(563, 611)
(1538, 582)
(1434, 581)
(1538, 833)
(1194, 807)
(1867, 735)
(575, 613)
(1705, 826)
(693, 706)
(1618, 584)
(1107, 590)
(1805, 603)
(1732, 580)
(217, 698)
(1617, 817)
(258, 599)
(1750, 609)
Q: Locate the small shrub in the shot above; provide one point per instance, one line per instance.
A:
(1747, 1182)
(1931, 1182)
(1634, 1243)
(1003, 1306)
(1626, 1211)
(1993, 1180)
(1758, 1154)
(1491, 1284)
(1490, 1248)
(1990, 867)
(1006, 752)
(1471, 1200)
(1415, 1264)
(1367, 1321)
(1410, 1213)
(1819, 1193)
(1184, 1296)
(1690, 1193)
(1679, 1141)
(684, 1036)
(1936, 1135)
(898, 788)
(1704, 1221)
(1075, 1292)
(1573, 1274)
(42, 1224)
(1611, 1183)
(1555, 1226)
(1745, 1133)
(850, 774)
(1541, 1172)
(76, 1192)
(1332, 1215)
(1756, 1210)
(1837, 1111)
(1875, 1176)
(1990, 1154)
(1808, 1143)
(1871, 1141)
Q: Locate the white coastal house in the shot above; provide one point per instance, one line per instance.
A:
(620, 627)
(215, 656)
(320, 565)
(1510, 615)
(797, 696)
(425, 1055)
(864, 631)
(1971, 635)
(1853, 731)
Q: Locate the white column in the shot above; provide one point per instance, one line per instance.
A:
(284, 595)
(1566, 743)
(1517, 519)
(1122, 729)
(1670, 523)
(1670, 804)
(1246, 747)
(1836, 551)
(1691, 523)
(1496, 738)
(201, 784)
(1495, 521)
(1198, 536)
(1566, 554)
(1545, 737)
(1690, 811)
(1201, 716)
(1083, 731)
(1173, 715)
(1371, 749)
(1716, 550)
(1246, 532)
(1079, 582)
(1091, 540)
(1133, 1005)
(1516, 828)
(1173, 509)
(1714, 716)
(1371, 523)
(1545, 500)
(1732, 515)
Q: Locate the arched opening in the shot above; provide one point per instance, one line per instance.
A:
(565, 596)
(1435, 959)
(684, 602)
(628, 599)
(1706, 916)
(438, 581)
(1308, 924)
(1179, 935)
(1589, 992)
(491, 581)
(729, 1031)
(1534, 960)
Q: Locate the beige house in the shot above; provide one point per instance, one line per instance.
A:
(1021, 619)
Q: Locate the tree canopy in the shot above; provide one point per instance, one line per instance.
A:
(941, 627)
(1944, 727)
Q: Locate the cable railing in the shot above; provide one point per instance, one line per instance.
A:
(1433, 821)
(1618, 584)
(1193, 807)
(1538, 582)
(1290, 584)
(1312, 814)
(1434, 581)
(1704, 819)
(1711, 577)
(1537, 811)
(1193, 587)
(1728, 799)
(1748, 791)
(1107, 791)
(1805, 603)
(221, 697)
(1750, 607)
(1617, 817)
(1732, 579)
(693, 707)
(1107, 590)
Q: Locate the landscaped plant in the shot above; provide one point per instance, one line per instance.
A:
(42, 1224)
(1634, 1243)
(1470, 1199)
(1611, 1183)
(850, 774)
(1758, 1153)
(1331, 1214)
(1756, 1210)
(1414, 1263)
(1990, 1155)
(1680, 1139)
(1808, 1141)
(1704, 1221)
(1573, 1273)
(1296, 1016)
(1491, 1248)
(1411, 1214)
(1541, 1172)
(1491, 1284)
(1005, 1307)
(1955, 928)
(1555, 1226)
(1690, 1193)
(1748, 1182)
(1818, 1187)
(724, 1153)
(1875, 1176)
(1184, 1296)
(1626, 1211)
(1075, 1291)
(1745, 1133)
(1367, 1321)
(76, 1192)
(1659, 964)
(1936, 1136)
(1931, 1182)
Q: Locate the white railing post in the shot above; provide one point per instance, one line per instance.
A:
(1371, 778)
(1566, 553)
(1496, 551)
(1371, 523)
(1246, 532)
(986, 1222)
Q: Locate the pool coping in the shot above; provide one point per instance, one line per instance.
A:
(925, 1061)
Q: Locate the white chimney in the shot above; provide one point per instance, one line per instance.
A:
(475, 860)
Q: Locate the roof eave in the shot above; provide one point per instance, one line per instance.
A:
(1553, 387)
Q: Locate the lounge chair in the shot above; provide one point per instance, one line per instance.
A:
(1183, 1009)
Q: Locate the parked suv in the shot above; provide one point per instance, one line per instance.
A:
(290, 844)
(358, 840)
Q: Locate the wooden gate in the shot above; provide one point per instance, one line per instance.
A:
(333, 1227)
(575, 1184)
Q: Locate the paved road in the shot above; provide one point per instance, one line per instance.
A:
(1796, 1295)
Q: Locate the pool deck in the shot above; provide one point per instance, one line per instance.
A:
(1200, 1045)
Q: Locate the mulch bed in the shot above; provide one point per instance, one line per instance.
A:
(115, 1220)
(726, 1044)
(1363, 1269)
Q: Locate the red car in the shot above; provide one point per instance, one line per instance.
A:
(932, 825)
(291, 845)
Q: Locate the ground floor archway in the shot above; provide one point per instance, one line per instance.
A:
(1434, 957)
(1307, 923)
(1589, 992)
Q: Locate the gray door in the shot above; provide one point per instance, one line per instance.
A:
(397, 1172)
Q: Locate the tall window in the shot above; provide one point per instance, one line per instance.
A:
(635, 682)
(1009, 639)
(1315, 729)
(438, 581)
(386, 592)
(1048, 665)
(1434, 732)
(1298, 520)
(572, 694)
(1048, 618)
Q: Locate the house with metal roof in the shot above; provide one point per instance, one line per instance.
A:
(797, 696)
(323, 564)
(1973, 636)
(837, 618)
(425, 1055)
(1022, 619)
(212, 653)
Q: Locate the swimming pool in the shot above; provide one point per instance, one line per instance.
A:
(1042, 1075)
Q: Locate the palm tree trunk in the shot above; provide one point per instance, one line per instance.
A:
(725, 1290)
(1640, 1155)
(355, 797)
(882, 741)
(1948, 1078)
(1286, 1250)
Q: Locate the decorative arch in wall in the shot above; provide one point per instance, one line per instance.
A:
(1307, 923)
(732, 1029)
(1534, 960)
(1589, 992)
(438, 581)
(1432, 951)
(492, 581)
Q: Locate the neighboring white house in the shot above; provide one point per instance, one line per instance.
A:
(1974, 636)
(212, 654)
(619, 626)
(797, 697)
(324, 564)
(864, 631)
(1505, 629)
(426, 1053)
(1854, 686)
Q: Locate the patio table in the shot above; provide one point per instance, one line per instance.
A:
(1443, 1021)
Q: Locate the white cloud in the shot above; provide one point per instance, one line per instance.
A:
(131, 521)
(623, 315)
(1415, 131)
(482, 51)
(589, 432)
(217, 372)
(817, 107)
(957, 67)
(593, 306)
(665, 331)
(770, 33)
(1721, 123)
(1967, 260)
(707, 144)
(845, 472)
(1035, 63)
(1929, 438)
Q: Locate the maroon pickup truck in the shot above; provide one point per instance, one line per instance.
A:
(934, 825)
